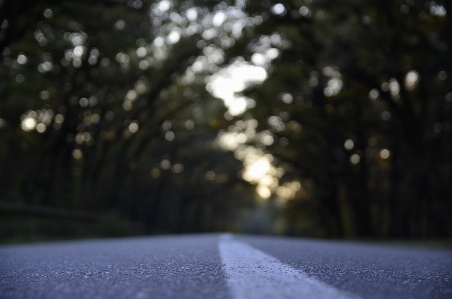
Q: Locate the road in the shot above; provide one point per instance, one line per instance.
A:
(222, 266)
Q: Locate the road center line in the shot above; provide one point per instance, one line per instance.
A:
(253, 274)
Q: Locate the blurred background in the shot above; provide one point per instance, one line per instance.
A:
(308, 118)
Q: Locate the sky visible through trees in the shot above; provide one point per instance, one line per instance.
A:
(306, 117)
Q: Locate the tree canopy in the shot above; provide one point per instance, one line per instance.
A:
(306, 117)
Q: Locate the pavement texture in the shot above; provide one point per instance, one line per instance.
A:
(369, 271)
(190, 266)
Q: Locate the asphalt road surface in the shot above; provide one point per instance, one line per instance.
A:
(222, 266)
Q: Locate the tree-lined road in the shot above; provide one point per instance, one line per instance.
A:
(222, 266)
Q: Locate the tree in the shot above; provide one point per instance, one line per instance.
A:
(111, 115)
(359, 101)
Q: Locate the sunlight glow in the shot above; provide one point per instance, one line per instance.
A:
(349, 144)
(411, 80)
(257, 170)
(29, 124)
(355, 159)
(384, 154)
(288, 190)
(77, 154)
(233, 79)
(263, 191)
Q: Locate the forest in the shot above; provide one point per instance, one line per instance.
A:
(314, 118)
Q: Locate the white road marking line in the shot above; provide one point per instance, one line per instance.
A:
(253, 274)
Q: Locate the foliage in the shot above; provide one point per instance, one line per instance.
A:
(111, 108)
(102, 112)
(359, 98)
